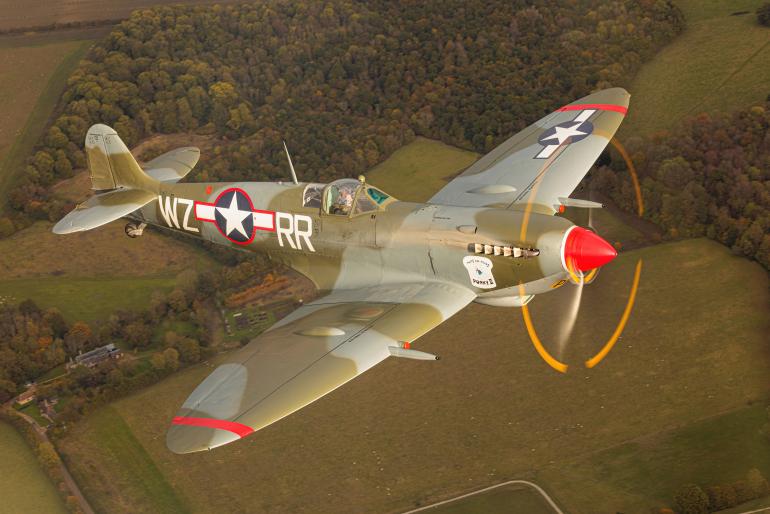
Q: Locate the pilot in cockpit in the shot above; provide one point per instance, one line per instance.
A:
(344, 201)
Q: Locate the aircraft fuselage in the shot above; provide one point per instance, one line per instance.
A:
(481, 248)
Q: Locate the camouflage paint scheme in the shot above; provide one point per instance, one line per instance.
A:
(391, 274)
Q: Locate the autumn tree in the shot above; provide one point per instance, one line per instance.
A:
(346, 84)
(763, 14)
(78, 338)
(691, 499)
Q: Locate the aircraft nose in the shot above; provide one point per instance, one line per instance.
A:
(584, 250)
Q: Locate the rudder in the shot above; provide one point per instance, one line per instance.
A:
(111, 165)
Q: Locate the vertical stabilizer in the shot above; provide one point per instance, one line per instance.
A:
(110, 163)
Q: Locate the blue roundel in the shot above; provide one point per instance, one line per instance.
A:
(234, 216)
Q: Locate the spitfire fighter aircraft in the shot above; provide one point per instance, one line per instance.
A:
(389, 271)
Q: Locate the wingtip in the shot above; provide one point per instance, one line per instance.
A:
(610, 96)
(64, 227)
(184, 439)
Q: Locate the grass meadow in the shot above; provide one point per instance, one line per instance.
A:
(510, 498)
(24, 487)
(87, 299)
(32, 79)
(140, 487)
(720, 62)
(89, 275)
(414, 172)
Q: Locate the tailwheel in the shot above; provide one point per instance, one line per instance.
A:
(135, 229)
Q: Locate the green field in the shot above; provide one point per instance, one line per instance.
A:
(90, 275)
(416, 171)
(140, 481)
(721, 62)
(637, 474)
(509, 498)
(32, 79)
(32, 410)
(24, 487)
(695, 345)
(87, 299)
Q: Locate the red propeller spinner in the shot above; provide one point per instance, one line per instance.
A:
(583, 250)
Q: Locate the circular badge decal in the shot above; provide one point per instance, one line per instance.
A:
(234, 216)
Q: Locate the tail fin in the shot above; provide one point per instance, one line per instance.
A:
(120, 183)
(111, 164)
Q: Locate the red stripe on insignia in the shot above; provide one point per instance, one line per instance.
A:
(601, 107)
(231, 426)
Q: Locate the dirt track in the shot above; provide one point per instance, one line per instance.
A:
(20, 14)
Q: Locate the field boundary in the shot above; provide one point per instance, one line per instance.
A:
(533, 485)
(41, 434)
(38, 119)
(727, 79)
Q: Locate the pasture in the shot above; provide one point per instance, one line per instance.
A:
(411, 433)
(18, 15)
(140, 485)
(509, 498)
(31, 81)
(36, 252)
(720, 63)
(713, 451)
(414, 172)
(87, 299)
(24, 486)
(89, 275)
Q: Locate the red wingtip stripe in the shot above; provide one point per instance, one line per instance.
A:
(231, 426)
(601, 107)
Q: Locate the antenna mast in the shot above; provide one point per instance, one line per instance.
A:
(291, 166)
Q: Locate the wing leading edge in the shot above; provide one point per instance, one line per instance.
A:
(545, 161)
(316, 349)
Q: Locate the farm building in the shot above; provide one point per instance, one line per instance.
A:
(26, 397)
(97, 355)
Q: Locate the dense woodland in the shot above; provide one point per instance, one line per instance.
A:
(711, 176)
(345, 82)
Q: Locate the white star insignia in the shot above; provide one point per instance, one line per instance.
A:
(234, 217)
(562, 133)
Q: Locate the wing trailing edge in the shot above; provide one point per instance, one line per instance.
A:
(103, 208)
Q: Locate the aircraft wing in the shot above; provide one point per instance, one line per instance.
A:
(103, 208)
(308, 354)
(544, 162)
(174, 165)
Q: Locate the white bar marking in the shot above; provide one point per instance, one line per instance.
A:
(205, 212)
(264, 220)
(584, 115)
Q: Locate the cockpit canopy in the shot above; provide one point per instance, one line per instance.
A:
(345, 197)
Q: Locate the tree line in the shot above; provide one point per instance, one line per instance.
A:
(345, 82)
(709, 177)
(692, 499)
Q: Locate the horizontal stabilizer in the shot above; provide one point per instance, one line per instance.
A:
(102, 209)
(174, 165)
